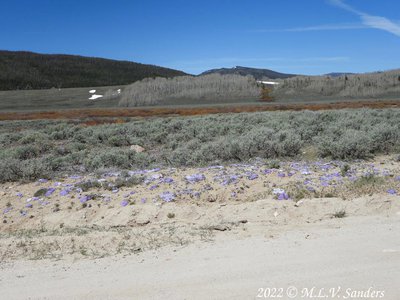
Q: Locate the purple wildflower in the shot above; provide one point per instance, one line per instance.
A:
(124, 203)
(35, 198)
(7, 209)
(116, 190)
(397, 178)
(29, 205)
(167, 196)
(84, 199)
(252, 176)
(392, 192)
(167, 180)
(23, 213)
(195, 178)
(283, 196)
(311, 189)
(267, 171)
(64, 192)
(49, 192)
(153, 187)
(20, 195)
(143, 200)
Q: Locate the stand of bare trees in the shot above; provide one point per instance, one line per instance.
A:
(211, 87)
(347, 86)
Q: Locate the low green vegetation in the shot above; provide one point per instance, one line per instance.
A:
(38, 149)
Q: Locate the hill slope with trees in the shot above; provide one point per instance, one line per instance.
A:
(244, 71)
(28, 70)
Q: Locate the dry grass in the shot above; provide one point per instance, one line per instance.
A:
(188, 111)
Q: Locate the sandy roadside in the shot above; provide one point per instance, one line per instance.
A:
(353, 253)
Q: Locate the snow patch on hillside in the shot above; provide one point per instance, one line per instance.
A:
(94, 97)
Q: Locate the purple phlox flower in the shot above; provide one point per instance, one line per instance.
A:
(35, 198)
(283, 196)
(277, 191)
(397, 178)
(291, 173)
(392, 192)
(143, 200)
(85, 198)
(230, 179)
(7, 209)
(310, 188)
(195, 178)
(153, 187)
(57, 183)
(281, 174)
(267, 171)
(167, 196)
(64, 192)
(233, 194)
(124, 203)
(324, 183)
(167, 180)
(132, 193)
(49, 192)
(29, 205)
(44, 203)
(252, 176)
(20, 195)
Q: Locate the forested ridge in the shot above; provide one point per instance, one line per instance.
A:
(28, 70)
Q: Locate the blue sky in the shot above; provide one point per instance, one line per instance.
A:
(293, 36)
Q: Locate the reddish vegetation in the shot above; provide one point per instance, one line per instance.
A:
(121, 113)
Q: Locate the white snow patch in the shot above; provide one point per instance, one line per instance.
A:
(92, 91)
(119, 91)
(268, 82)
(94, 97)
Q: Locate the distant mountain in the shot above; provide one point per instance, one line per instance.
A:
(28, 70)
(256, 73)
(338, 74)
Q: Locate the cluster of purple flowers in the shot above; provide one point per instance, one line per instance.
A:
(195, 178)
(167, 196)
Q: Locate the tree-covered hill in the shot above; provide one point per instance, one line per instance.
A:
(244, 71)
(28, 70)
